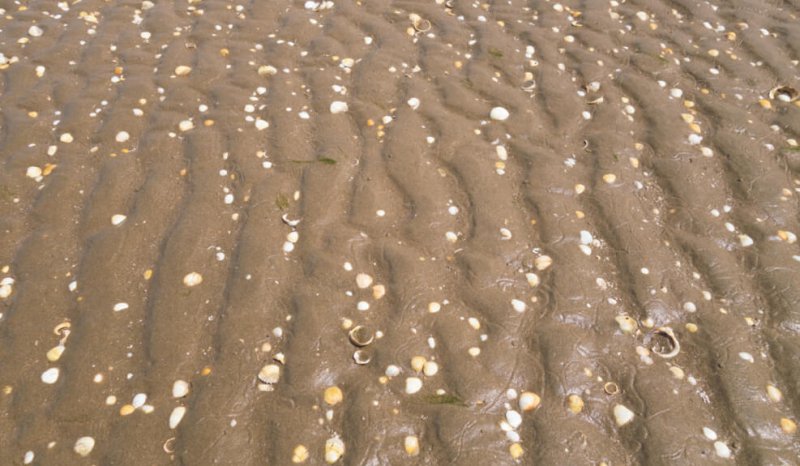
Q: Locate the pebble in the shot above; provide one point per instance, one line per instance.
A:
(50, 376)
(176, 416)
(28, 458)
(267, 70)
(499, 114)
(338, 107)
(35, 31)
(513, 418)
(622, 415)
(180, 389)
(575, 404)
(334, 449)
(139, 400)
(413, 385)
(66, 138)
(411, 444)
(192, 279)
(117, 219)
(516, 450)
(55, 353)
(84, 446)
(722, 449)
(788, 426)
(542, 262)
(182, 70)
(186, 125)
(123, 136)
(430, 368)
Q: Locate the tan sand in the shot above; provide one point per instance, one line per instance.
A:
(399, 232)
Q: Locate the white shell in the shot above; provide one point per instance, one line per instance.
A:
(176, 416)
(499, 114)
(413, 385)
(622, 415)
(192, 279)
(84, 446)
(50, 376)
(180, 389)
(338, 106)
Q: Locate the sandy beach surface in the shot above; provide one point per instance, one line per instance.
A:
(374, 232)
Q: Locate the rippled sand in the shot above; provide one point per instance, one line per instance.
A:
(550, 233)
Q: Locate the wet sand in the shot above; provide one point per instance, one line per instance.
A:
(399, 232)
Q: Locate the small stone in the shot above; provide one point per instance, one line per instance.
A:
(529, 401)
(774, 393)
(267, 70)
(182, 70)
(55, 353)
(180, 389)
(333, 395)
(499, 114)
(176, 416)
(126, 410)
(513, 418)
(84, 446)
(33, 172)
(609, 178)
(186, 125)
(120, 307)
(430, 368)
(518, 305)
(338, 107)
(28, 458)
(411, 444)
(117, 219)
(542, 262)
(300, 454)
(622, 415)
(413, 385)
(533, 279)
(50, 376)
(35, 31)
(123, 136)
(516, 450)
(139, 400)
(192, 279)
(334, 449)
(66, 138)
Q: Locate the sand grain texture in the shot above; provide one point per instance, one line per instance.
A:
(644, 178)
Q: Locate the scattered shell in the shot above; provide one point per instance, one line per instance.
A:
(169, 445)
(120, 307)
(361, 357)
(176, 416)
(192, 279)
(518, 305)
(361, 336)
(529, 85)
(499, 114)
(528, 401)
(413, 385)
(35, 31)
(126, 410)
(664, 342)
(334, 449)
(267, 70)
(269, 374)
(50, 376)
(186, 125)
(513, 418)
(430, 368)
(333, 395)
(338, 107)
(66, 138)
(363, 280)
(722, 450)
(575, 403)
(55, 353)
(180, 389)
(622, 415)
(611, 388)
(542, 262)
(182, 70)
(122, 136)
(117, 219)
(139, 400)
(626, 323)
(300, 454)
(411, 444)
(84, 446)
(417, 363)
(784, 94)
(33, 172)
(788, 425)
(516, 450)
(774, 393)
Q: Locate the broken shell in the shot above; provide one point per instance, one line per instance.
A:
(598, 100)
(575, 404)
(169, 445)
(334, 449)
(288, 221)
(422, 25)
(361, 336)
(176, 416)
(784, 94)
(62, 329)
(55, 353)
(626, 323)
(333, 395)
(529, 85)
(269, 374)
(529, 401)
(411, 444)
(362, 357)
(611, 388)
(84, 446)
(300, 454)
(622, 415)
(664, 342)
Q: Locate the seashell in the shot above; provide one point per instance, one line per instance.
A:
(422, 25)
(664, 342)
(362, 357)
(596, 101)
(611, 388)
(361, 336)
(529, 85)
(334, 449)
(169, 445)
(84, 446)
(290, 222)
(62, 330)
(784, 94)
(269, 374)
(55, 353)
